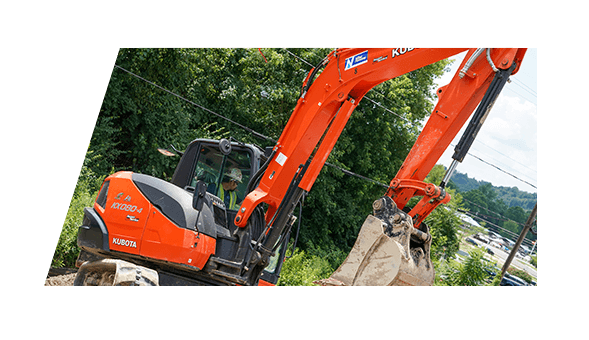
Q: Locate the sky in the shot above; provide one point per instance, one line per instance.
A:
(508, 138)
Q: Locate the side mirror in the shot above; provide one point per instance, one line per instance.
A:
(225, 146)
(200, 191)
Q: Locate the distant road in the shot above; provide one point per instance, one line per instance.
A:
(500, 256)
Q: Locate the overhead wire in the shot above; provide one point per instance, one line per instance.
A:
(507, 231)
(259, 135)
(255, 133)
(491, 211)
(499, 152)
(480, 159)
(525, 87)
(498, 168)
(380, 105)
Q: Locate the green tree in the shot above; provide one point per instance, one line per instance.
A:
(137, 117)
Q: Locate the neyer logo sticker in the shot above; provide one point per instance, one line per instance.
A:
(356, 60)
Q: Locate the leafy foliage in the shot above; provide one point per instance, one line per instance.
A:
(66, 251)
(484, 202)
(521, 274)
(511, 196)
(469, 273)
(137, 117)
(302, 269)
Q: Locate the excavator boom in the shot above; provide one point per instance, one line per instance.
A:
(322, 112)
(146, 231)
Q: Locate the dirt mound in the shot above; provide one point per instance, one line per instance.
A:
(61, 280)
(60, 277)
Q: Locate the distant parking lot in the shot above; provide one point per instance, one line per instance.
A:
(499, 255)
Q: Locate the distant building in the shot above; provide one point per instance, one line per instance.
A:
(468, 220)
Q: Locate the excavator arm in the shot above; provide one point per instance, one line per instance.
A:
(325, 105)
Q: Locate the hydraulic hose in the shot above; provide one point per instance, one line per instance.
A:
(470, 61)
(491, 60)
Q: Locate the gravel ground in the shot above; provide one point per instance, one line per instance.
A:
(60, 277)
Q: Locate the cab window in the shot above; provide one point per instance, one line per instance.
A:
(226, 176)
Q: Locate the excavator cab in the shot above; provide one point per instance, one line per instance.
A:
(183, 229)
(211, 161)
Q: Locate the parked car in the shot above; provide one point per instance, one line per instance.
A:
(488, 249)
(481, 237)
(469, 240)
(507, 282)
(495, 244)
(514, 278)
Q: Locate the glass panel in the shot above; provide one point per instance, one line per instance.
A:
(236, 174)
(226, 176)
(208, 167)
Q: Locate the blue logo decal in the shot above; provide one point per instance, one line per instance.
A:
(356, 60)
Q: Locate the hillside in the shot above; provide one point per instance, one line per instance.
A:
(511, 196)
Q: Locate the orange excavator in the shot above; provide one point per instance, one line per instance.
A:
(191, 231)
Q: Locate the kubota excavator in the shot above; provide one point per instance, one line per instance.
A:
(146, 231)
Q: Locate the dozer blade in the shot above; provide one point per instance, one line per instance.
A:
(389, 251)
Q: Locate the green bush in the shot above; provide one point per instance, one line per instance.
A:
(471, 272)
(521, 274)
(534, 261)
(302, 269)
(66, 251)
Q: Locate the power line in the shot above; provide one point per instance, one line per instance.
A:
(380, 105)
(257, 134)
(479, 141)
(495, 161)
(524, 87)
(366, 97)
(498, 168)
(299, 58)
(507, 231)
(520, 95)
(487, 209)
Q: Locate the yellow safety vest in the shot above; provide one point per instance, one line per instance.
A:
(232, 198)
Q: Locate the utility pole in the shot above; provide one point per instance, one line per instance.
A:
(519, 241)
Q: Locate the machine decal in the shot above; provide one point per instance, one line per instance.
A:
(128, 198)
(400, 51)
(132, 218)
(126, 207)
(123, 242)
(281, 158)
(379, 59)
(119, 195)
(356, 60)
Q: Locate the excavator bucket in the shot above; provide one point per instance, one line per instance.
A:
(389, 251)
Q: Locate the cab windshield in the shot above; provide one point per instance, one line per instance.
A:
(226, 176)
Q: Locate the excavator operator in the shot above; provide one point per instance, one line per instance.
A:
(227, 191)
